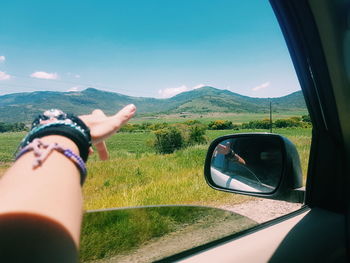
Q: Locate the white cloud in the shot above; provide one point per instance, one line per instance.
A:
(2, 59)
(262, 86)
(4, 76)
(77, 76)
(74, 89)
(170, 92)
(44, 75)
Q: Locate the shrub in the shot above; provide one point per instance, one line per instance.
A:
(192, 122)
(220, 125)
(128, 128)
(12, 127)
(158, 126)
(179, 135)
(295, 118)
(235, 127)
(291, 122)
(145, 126)
(259, 124)
(306, 118)
(197, 135)
(168, 140)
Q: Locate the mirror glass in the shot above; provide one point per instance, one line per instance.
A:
(250, 164)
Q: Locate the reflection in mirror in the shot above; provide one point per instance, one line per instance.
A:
(152, 233)
(250, 164)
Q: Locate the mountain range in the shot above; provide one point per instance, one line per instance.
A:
(22, 107)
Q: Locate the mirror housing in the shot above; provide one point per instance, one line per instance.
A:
(261, 164)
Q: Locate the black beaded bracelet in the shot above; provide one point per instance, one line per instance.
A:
(56, 122)
(231, 154)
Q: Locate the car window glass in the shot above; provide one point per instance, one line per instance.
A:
(196, 70)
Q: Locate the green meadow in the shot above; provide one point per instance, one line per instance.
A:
(236, 118)
(136, 176)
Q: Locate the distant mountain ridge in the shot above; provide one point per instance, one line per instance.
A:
(24, 106)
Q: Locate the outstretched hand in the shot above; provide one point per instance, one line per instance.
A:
(101, 126)
(226, 148)
(223, 148)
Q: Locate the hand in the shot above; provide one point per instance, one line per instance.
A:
(223, 149)
(240, 159)
(102, 126)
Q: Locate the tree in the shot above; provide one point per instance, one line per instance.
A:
(167, 140)
(197, 135)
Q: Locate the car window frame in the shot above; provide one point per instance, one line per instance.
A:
(300, 30)
(301, 34)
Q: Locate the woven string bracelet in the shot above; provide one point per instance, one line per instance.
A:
(43, 150)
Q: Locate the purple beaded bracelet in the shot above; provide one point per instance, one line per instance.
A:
(42, 151)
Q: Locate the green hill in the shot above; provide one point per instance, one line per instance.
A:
(24, 106)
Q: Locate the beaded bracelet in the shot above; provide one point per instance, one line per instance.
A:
(56, 122)
(72, 131)
(232, 155)
(43, 150)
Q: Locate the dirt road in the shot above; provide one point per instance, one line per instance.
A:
(262, 210)
(255, 211)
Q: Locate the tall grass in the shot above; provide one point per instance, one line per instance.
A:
(108, 233)
(151, 179)
(8, 144)
(135, 175)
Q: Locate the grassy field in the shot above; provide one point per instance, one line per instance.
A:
(136, 176)
(206, 118)
(118, 232)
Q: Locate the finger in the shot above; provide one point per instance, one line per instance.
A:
(112, 124)
(123, 115)
(240, 159)
(100, 146)
(102, 150)
(91, 151)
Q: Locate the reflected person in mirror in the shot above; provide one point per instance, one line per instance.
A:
(229, 153)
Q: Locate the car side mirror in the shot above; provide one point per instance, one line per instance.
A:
(255, 164)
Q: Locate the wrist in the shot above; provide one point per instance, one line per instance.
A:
(46, 146)
(230, 154)
(63, 141)
(56, 122)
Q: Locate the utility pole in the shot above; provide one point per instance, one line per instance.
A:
(270, 116)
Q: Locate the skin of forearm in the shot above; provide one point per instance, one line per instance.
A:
(50, 191)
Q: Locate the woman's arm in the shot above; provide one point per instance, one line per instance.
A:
(41, 209)
(52, 189)
(48, 198)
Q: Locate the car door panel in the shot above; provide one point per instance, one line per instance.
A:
(315, 235)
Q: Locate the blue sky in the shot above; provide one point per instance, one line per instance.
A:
(153, 48)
